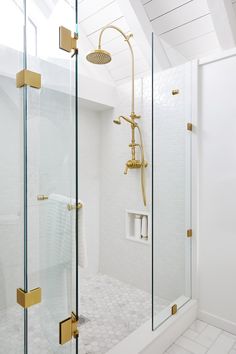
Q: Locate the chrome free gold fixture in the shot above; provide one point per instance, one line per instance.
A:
(100, 56)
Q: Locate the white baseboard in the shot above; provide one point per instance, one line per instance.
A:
(146, 341)
(217, 321)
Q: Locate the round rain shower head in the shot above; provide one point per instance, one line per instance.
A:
(117, 121)
(99, 56)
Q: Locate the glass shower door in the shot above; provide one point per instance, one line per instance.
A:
(172, 229)
(49, 88)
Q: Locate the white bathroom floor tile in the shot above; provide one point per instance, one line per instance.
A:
(191, 346)
(175, 349)
(208, 336)
(202, 338)
(198, 326)
(222, 345)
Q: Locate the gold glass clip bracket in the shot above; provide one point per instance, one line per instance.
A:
(189, 127)
(68, 329)
(26, 77)
(28, 299)
(67, 41)
(174, 309)
(189, 233)
(74, 206)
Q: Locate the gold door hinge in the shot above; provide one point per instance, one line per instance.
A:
(27, 77)
(174, 309)
(67, 42)
(175, 92)
(68, 329)
(189, 127)
(27, 299)
(189, 233)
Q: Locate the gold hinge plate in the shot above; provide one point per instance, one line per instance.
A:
(67, 42)
(175, 92)
(174, 309)
(27, 77)
(27, 299)
(68, 329)
(189, 233)
(189, 126)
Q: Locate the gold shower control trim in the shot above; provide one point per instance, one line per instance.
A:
(28, 299)
(68, 329)
(42, 197)
(174, 309)
(74, 206)
(27, 77)
(67, 42)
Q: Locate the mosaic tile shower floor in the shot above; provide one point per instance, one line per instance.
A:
(110, 311)
(114, 310)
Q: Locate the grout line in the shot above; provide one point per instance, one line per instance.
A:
(167, 12)
(183, 24)
(96, 12)
(99, 29)
(192, 39)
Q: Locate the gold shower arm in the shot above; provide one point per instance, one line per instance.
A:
(127, 38)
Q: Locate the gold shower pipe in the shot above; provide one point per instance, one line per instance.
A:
(127, 38)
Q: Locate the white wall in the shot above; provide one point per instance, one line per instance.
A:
(123, 259)
(89, 181)
(217, 184)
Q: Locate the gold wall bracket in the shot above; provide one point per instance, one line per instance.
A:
(189, 127)
(42, 197)
(174, 309)
(67, 42)
(27, 77)
(28, 299)
(74, 206)
(68, 329)
(189, 233)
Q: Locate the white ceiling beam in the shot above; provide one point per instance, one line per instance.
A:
(224, 20)
(141, 27)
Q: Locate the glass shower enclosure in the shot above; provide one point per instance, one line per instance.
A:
(39, 177)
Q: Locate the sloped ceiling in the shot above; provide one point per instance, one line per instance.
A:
(186, 28)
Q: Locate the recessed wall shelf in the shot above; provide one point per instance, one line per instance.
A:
(138, 226)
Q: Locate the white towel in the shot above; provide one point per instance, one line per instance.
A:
(61, 231)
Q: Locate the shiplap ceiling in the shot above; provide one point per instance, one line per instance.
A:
(185, 26)
(93, 16)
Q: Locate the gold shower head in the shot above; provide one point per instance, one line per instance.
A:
(99, 56)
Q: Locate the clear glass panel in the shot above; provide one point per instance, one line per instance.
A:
(51, 173)
(171, 190)
(11, 173)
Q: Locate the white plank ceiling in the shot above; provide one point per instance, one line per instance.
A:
(185, 25)
(93, 16)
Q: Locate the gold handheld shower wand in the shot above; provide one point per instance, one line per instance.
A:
(100, 56)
